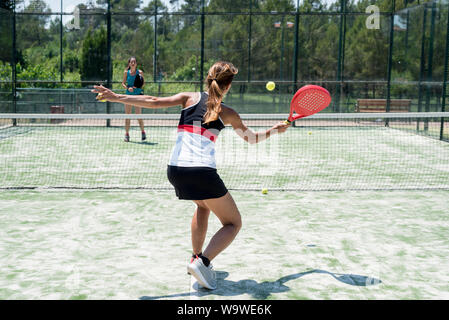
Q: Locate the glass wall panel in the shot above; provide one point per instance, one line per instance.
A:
(272, 47)
(6, 60)
(227, 38)
(64, 45)
(366, 50)
(318, 44)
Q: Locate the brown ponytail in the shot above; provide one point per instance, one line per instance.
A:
(219, 78)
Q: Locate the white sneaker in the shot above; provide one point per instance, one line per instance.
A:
(205, 275)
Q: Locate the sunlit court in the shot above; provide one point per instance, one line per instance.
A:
(322, 172)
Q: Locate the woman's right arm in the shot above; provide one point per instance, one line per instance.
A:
(143, 101)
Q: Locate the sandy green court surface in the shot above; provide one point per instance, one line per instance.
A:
(293, 245)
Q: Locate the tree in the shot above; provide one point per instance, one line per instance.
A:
(31, 29)
(9, 4)
(5, 35)
(227, 6)
(190, 6)
(130, 21)
(94, 56)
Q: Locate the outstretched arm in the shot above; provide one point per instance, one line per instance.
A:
(233, 118)
(141, 100)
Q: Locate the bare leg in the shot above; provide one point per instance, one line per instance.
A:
(199, 226)
(227, 212)
(128, 110)
(139, 111)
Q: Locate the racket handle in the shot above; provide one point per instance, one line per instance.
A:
(291, 119)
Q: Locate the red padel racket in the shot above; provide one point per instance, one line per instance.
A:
(308, 100)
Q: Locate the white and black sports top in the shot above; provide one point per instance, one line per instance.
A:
(195, 143)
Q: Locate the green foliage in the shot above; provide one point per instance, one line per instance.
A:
(367, 51)
(5, 35)
(8, 4)
(190, 70)
(94, 56)
(32, 28)
(71, 61)
(400, 88)
(37, 72)
(5, 73)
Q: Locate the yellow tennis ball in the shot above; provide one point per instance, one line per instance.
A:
(270, 85)
(100, 95)
(264, 191)
(309, 133)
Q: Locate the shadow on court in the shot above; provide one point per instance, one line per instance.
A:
(264, 289)
(11, 132)
(144, 143)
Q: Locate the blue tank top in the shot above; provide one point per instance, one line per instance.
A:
(130, 82)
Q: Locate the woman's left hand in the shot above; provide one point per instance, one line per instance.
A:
(104, 93)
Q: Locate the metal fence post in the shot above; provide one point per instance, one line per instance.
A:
(445, 74)
(422, 63)
(390, 59)
(202, 47)
(296, 53)
(61, 77)
(108, 41)
(155, 44)
(14, 63)
(430, 63)
(336, 103)
(250, 38)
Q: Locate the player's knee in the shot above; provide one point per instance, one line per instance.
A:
(202, 209)
(237, 223)
(201, 205)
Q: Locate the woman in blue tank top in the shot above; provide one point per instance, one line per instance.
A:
(129, 76)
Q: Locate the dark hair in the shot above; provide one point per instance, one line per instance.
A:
(129, 60)
(218, 79)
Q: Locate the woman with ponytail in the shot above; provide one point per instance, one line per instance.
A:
(192, 168)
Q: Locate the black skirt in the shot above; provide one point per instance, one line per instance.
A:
(196, 183)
